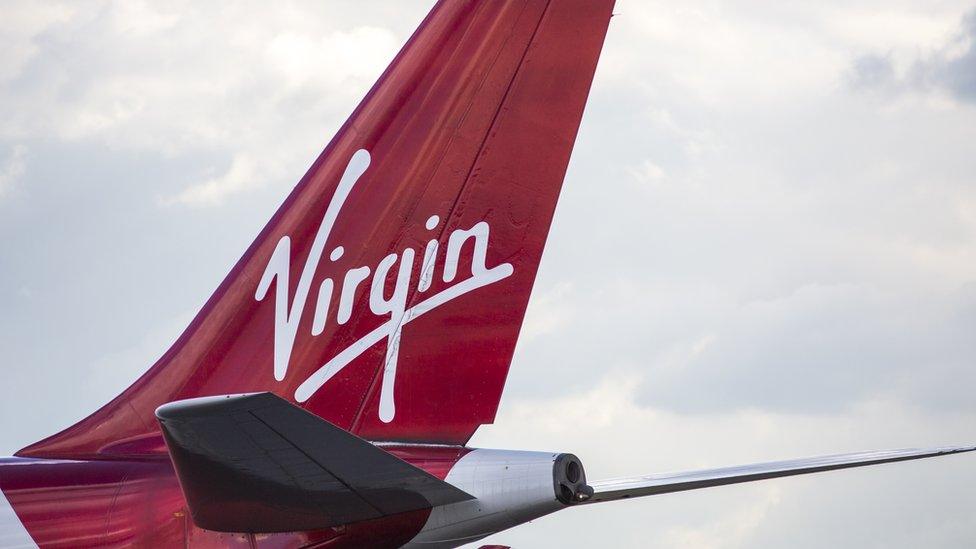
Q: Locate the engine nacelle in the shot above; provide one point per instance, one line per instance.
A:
(510, 488)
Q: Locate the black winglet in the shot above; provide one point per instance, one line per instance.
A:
(257, 463)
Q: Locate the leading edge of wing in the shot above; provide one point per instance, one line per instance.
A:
(663, 483)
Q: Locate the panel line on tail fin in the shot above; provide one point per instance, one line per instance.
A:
(382, 370)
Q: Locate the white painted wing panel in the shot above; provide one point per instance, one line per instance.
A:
(621, 488)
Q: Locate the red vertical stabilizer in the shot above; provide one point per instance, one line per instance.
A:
(387, 293)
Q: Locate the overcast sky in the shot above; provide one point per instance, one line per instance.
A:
(765, 246)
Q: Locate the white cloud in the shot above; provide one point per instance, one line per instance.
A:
(310, 67)
(549, 312)
(243, 173)
(733, 530)
(648, 172)
(258, 86)
(20, 29)
(332, 59)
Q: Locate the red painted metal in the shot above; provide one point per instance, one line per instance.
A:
(473, 122)
(95, 503)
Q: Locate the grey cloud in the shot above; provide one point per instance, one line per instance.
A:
(872, 71)
(824, 350)
(957, 72)
(950, 69)
(12, 168)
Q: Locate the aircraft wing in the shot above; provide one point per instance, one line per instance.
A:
(663, 483)
(257, 463)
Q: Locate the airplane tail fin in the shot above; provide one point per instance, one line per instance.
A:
(387, 292)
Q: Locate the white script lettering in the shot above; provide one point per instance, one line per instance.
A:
(288, 315)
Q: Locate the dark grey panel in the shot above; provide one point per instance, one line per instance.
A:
(256, 463)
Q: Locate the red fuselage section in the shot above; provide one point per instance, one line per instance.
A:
(138, 502)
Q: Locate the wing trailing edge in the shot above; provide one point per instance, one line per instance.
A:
(663, 483)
